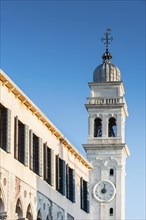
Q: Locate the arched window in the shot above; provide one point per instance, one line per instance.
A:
(111, 172)
(112, 127)
(111, 212)
(18, 209)
(48, 217)
(97, 127)
(29, 213)
(2, 208)
(39, 216)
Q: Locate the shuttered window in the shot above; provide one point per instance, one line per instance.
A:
(5, 128)
(26, 142)
(57, 173)
(35, 151)
(31, 149)
(48, 165)
(84, 195)
(60, 175)
(21, 141)
(51, 166)
(70, 183)
(35, 154)
(40, 146)
(45, 157)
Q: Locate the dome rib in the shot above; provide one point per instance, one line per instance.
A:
(106, 72)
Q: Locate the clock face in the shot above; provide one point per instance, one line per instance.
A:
(104, 191)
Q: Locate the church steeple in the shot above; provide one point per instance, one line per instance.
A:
(106, 149)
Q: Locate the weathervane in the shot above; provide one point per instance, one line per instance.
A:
(107, 39)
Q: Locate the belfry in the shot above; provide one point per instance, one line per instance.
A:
(106, 149)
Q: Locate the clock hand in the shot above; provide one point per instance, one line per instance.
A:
(104, 189)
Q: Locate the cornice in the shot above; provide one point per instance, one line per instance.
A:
(101, 147)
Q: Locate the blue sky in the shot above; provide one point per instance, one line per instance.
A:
(50, 50)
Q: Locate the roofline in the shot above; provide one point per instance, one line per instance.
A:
(6, 81)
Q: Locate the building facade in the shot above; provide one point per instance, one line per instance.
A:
(43, 176)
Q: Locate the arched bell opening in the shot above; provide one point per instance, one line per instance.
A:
(112, 127)
(97, 127)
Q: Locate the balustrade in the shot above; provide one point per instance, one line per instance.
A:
(105, 101)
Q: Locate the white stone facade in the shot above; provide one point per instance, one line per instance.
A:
(24, 194)
(107, 153)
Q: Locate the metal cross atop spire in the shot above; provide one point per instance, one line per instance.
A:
(107, 39)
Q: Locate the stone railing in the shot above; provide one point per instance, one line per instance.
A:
(105, 101)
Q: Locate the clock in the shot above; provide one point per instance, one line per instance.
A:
(104, 191)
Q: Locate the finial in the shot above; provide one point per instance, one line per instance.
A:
(107, 56)
(107, 39)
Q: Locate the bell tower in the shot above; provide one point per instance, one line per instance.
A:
(106, 148)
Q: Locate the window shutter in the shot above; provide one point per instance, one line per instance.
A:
(21, 142)
(88, 199)
(73, 186)
(60, 176)
(67, 181)
(8, 147)
(31, 149)
(57, 173)
(26, 133)
(63, 178)
(49, 165)
(40, 156)
(52, 167)
(81, 193)
(85, 194)
(6, 129)
(45, 162)
(16, 138)
(70, 183)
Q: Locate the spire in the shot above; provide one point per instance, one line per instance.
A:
(107, 40)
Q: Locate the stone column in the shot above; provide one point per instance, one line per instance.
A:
(119, 125)
(89, 126)
(105, 126)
